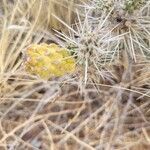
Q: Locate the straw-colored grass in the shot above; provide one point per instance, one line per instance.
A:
(103, 105)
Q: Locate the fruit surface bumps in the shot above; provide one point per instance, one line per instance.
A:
(48, 61)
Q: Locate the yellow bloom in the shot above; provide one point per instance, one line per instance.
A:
(49, 61)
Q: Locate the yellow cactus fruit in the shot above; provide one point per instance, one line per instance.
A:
(48, 61)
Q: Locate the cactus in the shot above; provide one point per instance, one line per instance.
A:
(94, 92)
(124, 20)
(48, 61)
(131, 5)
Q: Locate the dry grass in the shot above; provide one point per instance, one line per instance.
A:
(103, 105)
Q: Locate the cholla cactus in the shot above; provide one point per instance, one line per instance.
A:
(48, 61)
(131, 5)
(128, 19)
(92, 50)
(126, 5)
(103, 5)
